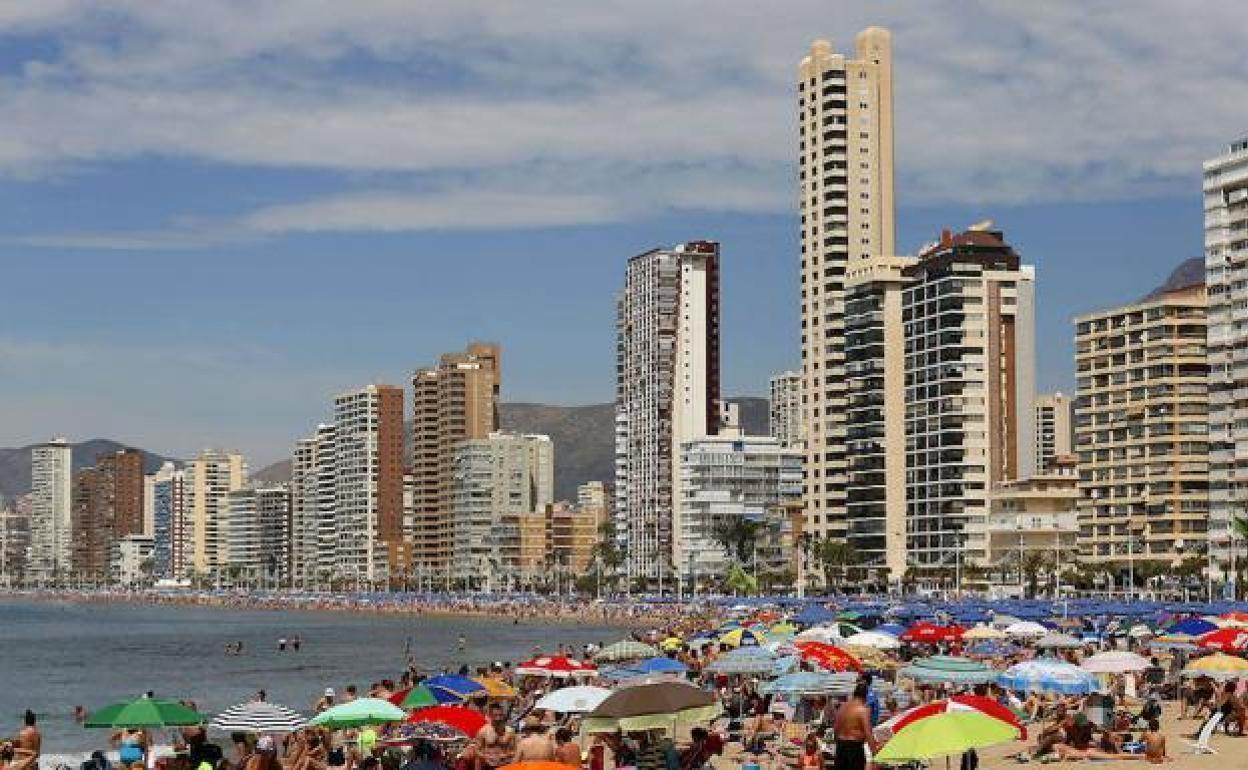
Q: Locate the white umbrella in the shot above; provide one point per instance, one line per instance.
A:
(258, 717)
(1140, 631)
(573, 700)
(828, 634)
(1025, 628)
(1058, 642)
(1115, 662)
(876, 639)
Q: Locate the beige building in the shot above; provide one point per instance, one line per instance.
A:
(1033, 516)
(845, 160)
(1141, 428)
(784, 408)
(209, 479)
(1054, 439)
(453, 401)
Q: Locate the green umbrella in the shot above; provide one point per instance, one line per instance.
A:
(359, 712)
(952, 732)
(418, 698)
(145, 712)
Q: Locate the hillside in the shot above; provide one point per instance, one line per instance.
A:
(15, 463)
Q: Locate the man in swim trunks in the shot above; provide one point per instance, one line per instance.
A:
(853, 731)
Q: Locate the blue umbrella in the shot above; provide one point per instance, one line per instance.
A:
(812, 683)
(892, 629)
(660, 666)
(1192, 627)
(453, 688)
(1047, 675)
(743, 660)
(813, 615)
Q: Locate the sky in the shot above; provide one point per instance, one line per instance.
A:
(214, 215)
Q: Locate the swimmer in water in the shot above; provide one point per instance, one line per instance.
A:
(463, 643)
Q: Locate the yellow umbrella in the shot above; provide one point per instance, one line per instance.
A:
(496, 688)
(1217, 666)
(742, 636)
(783, 628)
(671, 644)
(981, 632)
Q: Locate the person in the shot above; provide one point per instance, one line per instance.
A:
(326, 701)
(1154, 744)
(496, 741)
(566, 750)
(703, 745)
(296, 643)
(97, 761)
(853, 731)
(131, 747)
(265, 755)
(29, 743)
(812, 753)
(281, 644)
(535, 745)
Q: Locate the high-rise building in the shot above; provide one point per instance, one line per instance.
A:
(592, 496)
(1033, 517)
(1054, 412)
(107, 506)
(453, 401)
(845, 163)
(724, 480)
(875, 414)
(368, 477)
(208, 481)
(258, 543)
(168, 518)
(14, 540)
(784, 408)
(968, 312)
(667, 392)
(1141, 428)
(492, 477)
(51, 500)
(1226, 273)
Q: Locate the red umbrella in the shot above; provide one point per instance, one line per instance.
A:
(931, 633)
(1237, 615)
(462, 718)
(979, 703)
(1225, 639)
(558, 666)
(828, 656)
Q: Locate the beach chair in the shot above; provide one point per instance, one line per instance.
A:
(1201, 746)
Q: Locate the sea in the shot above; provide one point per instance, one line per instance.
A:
(57, 655)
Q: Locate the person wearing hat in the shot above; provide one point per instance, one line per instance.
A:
(326, 701)
(536, 745)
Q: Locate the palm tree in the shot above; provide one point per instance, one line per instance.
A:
(737, 537)
(1034, 563)
(834, 554)
(608, 553)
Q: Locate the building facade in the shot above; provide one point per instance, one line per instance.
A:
(1033, 526)
(784, 408)
(1226, 274)
(454, 401)
(968, 313)
(667, 392)
(258, 546)
(168, 520)
(1142, 430)
(1054, 437)
(209, 479)
(845, 163)
(368, 479)
(107, 506)
(51, 504)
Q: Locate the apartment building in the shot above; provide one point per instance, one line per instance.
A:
(1054, 439)
(784, 408)
(208, 481)
(368, 483)
(51, 504)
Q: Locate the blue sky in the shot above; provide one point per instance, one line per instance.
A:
(215, 215)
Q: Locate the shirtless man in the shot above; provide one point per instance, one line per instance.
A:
(853, 731)
(1155, 744)
(496, 742)
(29, 742)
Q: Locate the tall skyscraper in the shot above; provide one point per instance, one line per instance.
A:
(51, 497)
(969, 322)
(368, 470)
(667, 392)
(1054, 412)
(875, 415)
(1141, 419)
(1226, 271)
(845, 162)
(168, 516)
(258, 544)
(784, 408)
(453, 401)
(107, 507)
(209, 479)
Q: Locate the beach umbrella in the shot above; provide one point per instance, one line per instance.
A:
(557, 667)
(953, 732)
(1058, 642)
(467, 721)
(1224, 639)
(653, 706)
(1174, 642)
(670, 644)
(1025, 628)
(628, 649)
(828, 657)
(359, 712)
(145, 712)
(258, 717)
(1115, 662)
(414, 698)
(1001, 620)
(980, 703)
(660, 665)
(742, 637)
(947, 668)
(871, 657)
(1192, 627)
(892, 629)
(746, 660)
(1048, 676)
(453, 688)
(827, 634)
(814, 615)
(811, 683)
(573, 700)
(1140, 631)
(875, 639)
(1217, 666)
(982, 632)
(782, 628)
(495, 688)
(1238, 616)
(931, 633)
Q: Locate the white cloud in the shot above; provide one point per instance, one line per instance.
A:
(638, 106)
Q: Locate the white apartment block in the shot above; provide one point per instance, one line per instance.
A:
(51, 480)
(784, 408)
(368, 480)
(168, 513)
(845, 162)
(1226, 275)
(1054, 438)
(667, 392)
(491, 478)
(314, 527)
(969, 390)
(258, 545)
(209, 479)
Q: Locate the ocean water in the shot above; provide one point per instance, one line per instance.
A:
(54, 656)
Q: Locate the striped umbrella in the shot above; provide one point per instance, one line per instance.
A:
(258, 717)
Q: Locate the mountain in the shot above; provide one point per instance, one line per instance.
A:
(277, 473)
(584, 439)
(1190, 272)
(15, 463)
